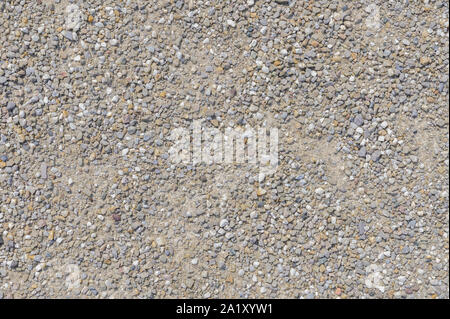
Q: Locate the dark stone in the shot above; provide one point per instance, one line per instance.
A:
(10, 106)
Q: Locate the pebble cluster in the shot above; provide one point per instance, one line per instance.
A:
(91, 205)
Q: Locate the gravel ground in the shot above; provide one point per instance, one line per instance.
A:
(93, 207)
